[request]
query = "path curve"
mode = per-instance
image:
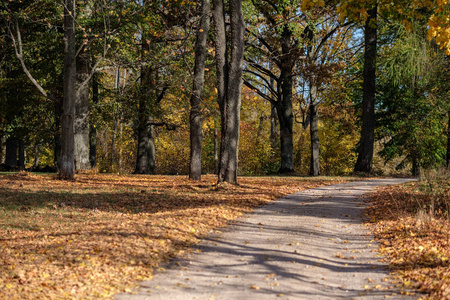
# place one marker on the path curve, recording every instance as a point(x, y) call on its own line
point(308, 245)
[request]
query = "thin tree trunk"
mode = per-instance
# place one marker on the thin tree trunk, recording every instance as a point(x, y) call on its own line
point(119, 159)
point(366, 143)
point(113, 144)
point(93, 128)
point(230, 108)
point(81, 122)
point(11, 153)
point(37, 154)
point(67, 168)
point(314, 169)
point(216, 151)
point(273, 126)
point(2, 149)
point(22, 155)
point(151, 148)
point(115, 128)
point(273, 116)
point(57, 144)
point(195, 167)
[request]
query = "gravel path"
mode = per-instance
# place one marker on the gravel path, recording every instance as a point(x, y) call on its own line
point(308, 245)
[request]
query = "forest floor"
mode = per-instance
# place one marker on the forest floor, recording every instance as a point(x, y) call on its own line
point(412, 225)
point(103, 234)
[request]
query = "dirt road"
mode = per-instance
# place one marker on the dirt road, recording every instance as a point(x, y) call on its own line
point(308, 245)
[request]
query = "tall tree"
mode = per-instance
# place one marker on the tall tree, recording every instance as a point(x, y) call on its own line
point(273, 43)
point(413, 85)
point(67, 168)
point(195, 168)
point(229, 83)
point(366, 143)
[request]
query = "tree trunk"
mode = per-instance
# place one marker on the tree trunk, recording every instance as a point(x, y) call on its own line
point(93, 128)
point(112, 161)
point(314, 169)
point(273, 116)
point(146, 154)
point(22, 156)
point(366, 143)
point(231, 105)
point(195, 167)
point(284, 108)
point(216, 151)
point(57, 133)
point(67, 168)
point(2, 149)
point(37, 154)
point(273, 126)
point(285, 119)
point(145, 160)
point(11, 153)
point(81, 122)
point(221, 52)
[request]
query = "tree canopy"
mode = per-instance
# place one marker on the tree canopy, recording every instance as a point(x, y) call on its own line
point(121, 85)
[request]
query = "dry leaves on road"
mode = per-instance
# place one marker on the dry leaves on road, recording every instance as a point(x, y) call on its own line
point(101, 234)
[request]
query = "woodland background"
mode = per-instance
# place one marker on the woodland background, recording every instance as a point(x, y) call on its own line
point(135, 66)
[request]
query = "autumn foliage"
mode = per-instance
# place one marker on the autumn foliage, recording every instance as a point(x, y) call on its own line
point(101, 234)
point(411, 223)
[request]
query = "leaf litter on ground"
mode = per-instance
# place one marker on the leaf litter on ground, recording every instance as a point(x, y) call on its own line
point(102, 234)
point(412, 226)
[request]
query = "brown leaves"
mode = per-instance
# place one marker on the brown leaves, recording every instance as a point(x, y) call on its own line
point(101, 234)
point(416, 240)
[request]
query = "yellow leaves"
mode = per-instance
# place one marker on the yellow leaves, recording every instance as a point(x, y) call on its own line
point(311, 4)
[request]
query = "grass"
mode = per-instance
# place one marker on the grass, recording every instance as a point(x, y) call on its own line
point(102, 234)
point(412, 224)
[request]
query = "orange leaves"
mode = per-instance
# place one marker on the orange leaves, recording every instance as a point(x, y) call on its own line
point(101, 234)
point(416, 242)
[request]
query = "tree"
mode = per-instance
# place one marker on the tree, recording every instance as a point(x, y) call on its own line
point(195, 169)
point(158, 43)
point(365, 156)
point(229, 83)
point(413, 101)
point(273, 43)
point(67, 168)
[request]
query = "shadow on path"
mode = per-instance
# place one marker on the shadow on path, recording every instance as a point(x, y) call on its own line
point(308, 245)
